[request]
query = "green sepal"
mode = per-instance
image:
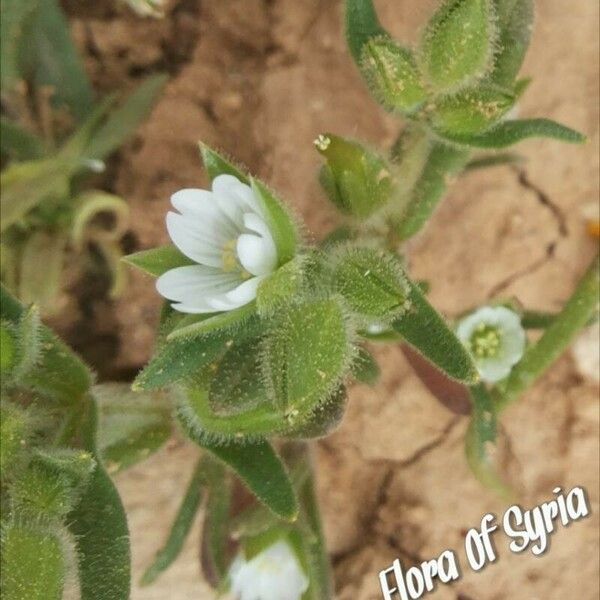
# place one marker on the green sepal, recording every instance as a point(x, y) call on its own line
point(34, 565)
point(278, 220)
point(457, 45)
point(480, 441)
point(8, 350)
point(357, 180)
point(131, 426)
point(515, 24)
point(428, 333)
point(444, 162)
point(362, 25)
point(157, 261)
point(371, 281)
point(365, 368)
point(471, 111)
point(281, 287)
point(508, 133)
point(180, 527)
point(193, 326)
point(259, 467)
point(237, 384)
point(15, 432)
point(306, 354)
point(392, 75)
point(215, 164)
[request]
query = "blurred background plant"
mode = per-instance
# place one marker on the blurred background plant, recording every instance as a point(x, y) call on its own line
point(55, 137)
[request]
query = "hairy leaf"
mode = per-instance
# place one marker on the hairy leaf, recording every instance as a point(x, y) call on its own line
point(362, 25)
point(158, 260)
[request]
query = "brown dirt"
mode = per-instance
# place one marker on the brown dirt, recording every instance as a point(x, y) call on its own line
point(260, 79)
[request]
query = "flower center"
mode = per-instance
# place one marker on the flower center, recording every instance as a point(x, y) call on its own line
point(485, 341)
point(230, 261)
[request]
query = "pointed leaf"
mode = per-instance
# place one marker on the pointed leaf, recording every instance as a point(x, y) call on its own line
point(123, 120)
point(510, 132)
point(428, 333)
point(259, 467)
point(215, 164)
point(365, 368)
point(158, 260)
point(181, 525)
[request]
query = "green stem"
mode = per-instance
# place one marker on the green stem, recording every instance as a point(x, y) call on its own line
point(574, 316)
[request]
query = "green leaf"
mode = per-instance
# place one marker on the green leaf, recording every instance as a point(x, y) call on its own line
point(305, 355)
point(492, 160)
point(215, 164)
point(16, 142)
point(33, 563)
point(29, 338)
point(259, 467)
point(16, 431)
point(237, 383)
point(515, 24)
point(444, 161)
point(8, 350)
point(60, 374)
point(181, 526)
point(15, 14)
point(428, 333)
point(392, 76)
point(281, 287)
point(24, 185)
point(457, 45)
point(278, 220)
point(51, 59)
point(131, 425)
point(158, 260)
point(365, 368)
point(480, 442)
point(371, 281)
point(41, 269)
point(362, 25)
point(181, 359)
point(508, 133)
point(99, 525)
point(357, 180)
point(203, 325)
point(471, 111)
point(123, 121)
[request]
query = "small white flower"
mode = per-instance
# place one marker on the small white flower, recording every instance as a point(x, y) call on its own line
point(225, 233)
point(273, 574)
point(495, 338)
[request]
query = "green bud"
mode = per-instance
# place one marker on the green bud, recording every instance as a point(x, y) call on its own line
point(357, 180)
point(372, 282)
point(33, 563)
point(305, 355)
point(392, 75)
point(471, 111)
point(457, 46)
point(281, 286)
point(14, 432)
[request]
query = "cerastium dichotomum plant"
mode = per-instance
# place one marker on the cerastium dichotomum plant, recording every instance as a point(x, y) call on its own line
point(63, 529)
point(54, 136)
point(263, 330)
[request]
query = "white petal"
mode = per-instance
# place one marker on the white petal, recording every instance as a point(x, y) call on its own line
point(256, 254)
point(192, 286)
point(255, 223)
point(493, 370)
point(192, 242)
point(244, 293)
point(240, 193)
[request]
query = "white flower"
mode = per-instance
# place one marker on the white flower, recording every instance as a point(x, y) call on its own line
point(225, 233)
point(495, 338)
point(273, 574)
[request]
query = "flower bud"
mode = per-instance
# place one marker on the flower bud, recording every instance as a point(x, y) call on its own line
point(392, 75)
point(358, 181)
point(457, 46)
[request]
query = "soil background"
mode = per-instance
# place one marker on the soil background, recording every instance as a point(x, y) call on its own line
point(260, 79)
